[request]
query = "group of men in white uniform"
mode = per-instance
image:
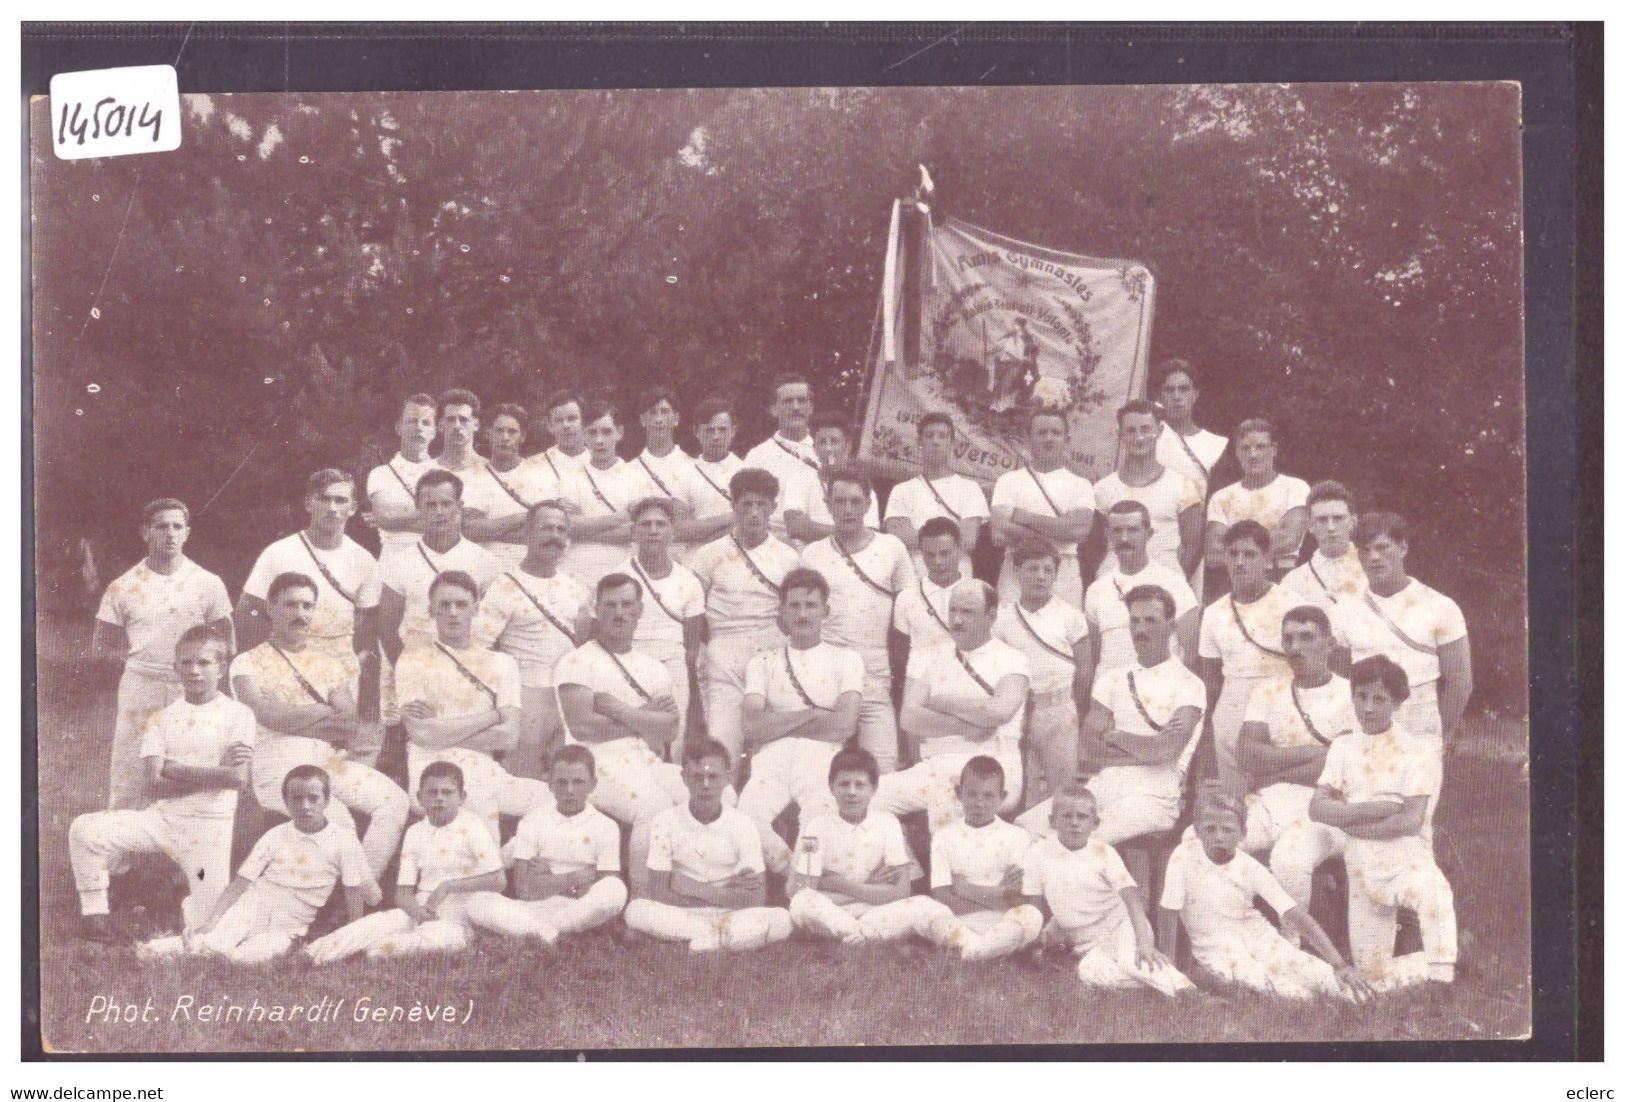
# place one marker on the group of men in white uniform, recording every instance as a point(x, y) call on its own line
point(533, 625)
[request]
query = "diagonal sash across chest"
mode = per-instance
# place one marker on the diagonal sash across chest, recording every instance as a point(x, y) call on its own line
point(1399, 632)
point(507, 489)
point(932, 609)
point(648, 584)
point(543, 609)
point(795, 683)
point(326, 573)
point(399, 477)
point(658, 481)
point(586, 472)
point(1179, 436)
point(1039, 482)
point(964, 660)
point(699, 470)
point(637, 687)
point(1330, 596)
point(304, 682)
point(940, 499)
point(1139, 704)
point(1241, 626)
point(772, 586)
point(469, 675)
point(1065, 656)
point(788, 450)
point(859, 571)
point(1303, 714)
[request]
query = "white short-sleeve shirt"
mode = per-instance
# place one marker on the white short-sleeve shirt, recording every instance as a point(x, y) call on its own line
point(155, 610)
point(1153, 696)
point(858, 850)
point(593, 667)
point(705, 484)
point(667, 475)
point(921, 613)
point(1394, 765)
point(352, 568)
point(431, 855)
point(668, 603)
point(741, 584)
point(394, 486)
point(826, 673)
point(505, 495)
point(429, 674)
point(569, 843)
point(511, 620)
point(942, 671)
point(706, 852)
point(789, 461)
point(983, 855)
point(1043, 637)
point(1216, 901)
point(307, 866)
point(1048, 493)
point(1328, 584)
point(1193, 456)
point(602, 492)
point(860, 605)
point(1282, 706)
point(1267, 504)
point(197, 735)
point(1083, 887)
point(1165, 499)
point(806, 493)
point(1103, 607)
point(557, 464)
point(1423, 613)
point(277, 674)
point(1255, 652)
point(953, 496)
point(410, 571)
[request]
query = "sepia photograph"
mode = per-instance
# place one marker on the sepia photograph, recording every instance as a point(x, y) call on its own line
point(735, 568)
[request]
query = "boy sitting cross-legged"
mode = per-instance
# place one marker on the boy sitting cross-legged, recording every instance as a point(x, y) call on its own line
point(851, 876)
point(976, 872)
point(566, 861)
point(705, 875)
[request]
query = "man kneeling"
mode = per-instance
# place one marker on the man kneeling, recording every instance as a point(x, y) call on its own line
point(566, 862)
point(705, 874)
point(446, 860)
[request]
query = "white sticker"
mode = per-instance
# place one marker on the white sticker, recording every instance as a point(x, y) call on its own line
point(115, 112)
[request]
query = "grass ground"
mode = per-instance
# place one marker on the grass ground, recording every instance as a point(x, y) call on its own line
point(593, 993)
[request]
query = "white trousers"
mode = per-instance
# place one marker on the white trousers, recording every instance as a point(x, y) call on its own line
point(260, 926)
point(634, 785)
point(708, 929)
point(492, 790)
point(877, 722)
point(548, 918)
point(986, 935)
point(200, 846)
point(541, 732)
point(929, 787)
point(1419, 715)
point(1112, 962)
point(1228, 712)
point(393, 933)
point(1052, 744)
point(1256, 957)
point(784, 772)
point(1135, 800)
point(855, 922)
point(726, 656)
point(139, 696)
point(1400, 874)
point(355, 788)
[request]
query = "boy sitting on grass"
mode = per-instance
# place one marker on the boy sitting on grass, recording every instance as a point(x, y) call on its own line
point(852, 872)
point(976, 872)
point(566, 861)
point(446, 860)
point(1210, 886)
point(1096, 909)
point(705, 874)
point(284, 881)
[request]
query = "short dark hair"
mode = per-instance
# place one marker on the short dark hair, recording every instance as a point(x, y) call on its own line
point(653, 396)
point(438, 476)
point(804, 577)
point(1046, 411)
point(1380, 669)
point(696, 750)
point(553, 503)
point(326, 477)
point(617, 580)
point(457, 396)
point(1027, 550)
point(418, 399)
point(457, 579)
point(1151, 593)
point(574, 753)
point(940, 526)
point(1309, 614)
point(1136, 405)
point(709, 408)
point(1329, 490)
point(789, 378)
point(1256, 424)
point(201, 634)
point(829, 419)
point(1372, 525)
point(854, 759)
point(1174, 367)
point(597, 410)
point(935, 417)
point(1251, 531)
point(286, 581)
point(561, 398)
point(164, 505)
point(854, 477)
point(307, 773)
point(753, 480)
point(644, 504)
point(442, 769)
point(515, 410)
point(982, 767)
point(1128, 505)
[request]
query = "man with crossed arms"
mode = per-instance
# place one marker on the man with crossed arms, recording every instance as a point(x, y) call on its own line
point(537, 614)
point(304, 701)
point(958, 702)
point(936, 492)
point(1128, 532)
point(1044, 500)
point(705, 481)
point(673, 625)
point(865, 571)
point(461, 704)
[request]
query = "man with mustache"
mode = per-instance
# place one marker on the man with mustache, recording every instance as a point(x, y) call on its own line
point(141, 618)
point(458, 417)
point(304, 700)
point(537, 614)
point(1128, 533)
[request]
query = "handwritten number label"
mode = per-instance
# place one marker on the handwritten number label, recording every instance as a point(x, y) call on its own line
point(115, 112)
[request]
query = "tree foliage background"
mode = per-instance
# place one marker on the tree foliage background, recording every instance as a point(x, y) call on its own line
point(217, 322)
